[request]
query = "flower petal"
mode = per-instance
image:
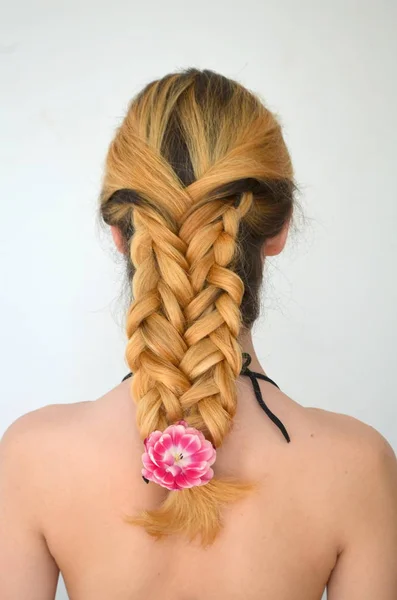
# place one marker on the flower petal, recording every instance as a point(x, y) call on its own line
point(182, 482)
point(197, 432)
point(206, 453)
point(193, 481)
point(200, 466)
point(162, 455)
point(177, 432)
point(152, 438)
point(147, 462)
point(190, 444)
point(156, 458)
point(166, 441)
point(164, 477)
point(148, 474)
point(196, 473)
point(207, 477)
point(174, 470)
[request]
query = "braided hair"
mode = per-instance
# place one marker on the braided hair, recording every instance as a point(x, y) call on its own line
point(197, 177)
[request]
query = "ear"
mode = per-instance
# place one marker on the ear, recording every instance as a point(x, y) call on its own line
point(275, 244)
point(118, 239)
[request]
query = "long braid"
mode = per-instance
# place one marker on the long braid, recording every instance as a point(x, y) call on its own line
point(210, 361)
point(197, 161)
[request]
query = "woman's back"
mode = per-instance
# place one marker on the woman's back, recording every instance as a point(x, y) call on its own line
point(280, 543)
point(198, 191)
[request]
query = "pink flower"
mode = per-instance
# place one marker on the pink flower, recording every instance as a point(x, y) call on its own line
point(178, 457)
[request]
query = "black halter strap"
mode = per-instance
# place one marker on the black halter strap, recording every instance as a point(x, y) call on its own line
point(258, 394)
point(257, 391)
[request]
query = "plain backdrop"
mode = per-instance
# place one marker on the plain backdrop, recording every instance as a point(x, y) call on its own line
point(328, 69)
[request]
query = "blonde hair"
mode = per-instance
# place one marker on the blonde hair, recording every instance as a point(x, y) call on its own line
point(197, 177)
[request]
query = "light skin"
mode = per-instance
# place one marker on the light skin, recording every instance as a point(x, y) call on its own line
point(326, 510)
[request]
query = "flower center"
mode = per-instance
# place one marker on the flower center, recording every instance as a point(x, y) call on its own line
point(178, 456)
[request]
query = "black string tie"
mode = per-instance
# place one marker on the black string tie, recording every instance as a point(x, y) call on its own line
point(258, 394)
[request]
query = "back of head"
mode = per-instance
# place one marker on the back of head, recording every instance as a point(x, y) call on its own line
point(197, 178)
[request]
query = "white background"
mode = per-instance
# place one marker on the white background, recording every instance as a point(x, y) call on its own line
point(68, 70)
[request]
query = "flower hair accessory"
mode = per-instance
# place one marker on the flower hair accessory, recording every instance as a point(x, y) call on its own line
point(177, 458)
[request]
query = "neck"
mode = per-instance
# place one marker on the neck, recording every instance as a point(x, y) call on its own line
point(246, 343)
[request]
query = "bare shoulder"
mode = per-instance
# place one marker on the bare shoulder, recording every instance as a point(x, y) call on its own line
point(351, 471)
point(331, 434)
point(33, 429)
point(35, 445)
point(353, 437)
point(27, 451)
point(360, 464)
point(59, 430)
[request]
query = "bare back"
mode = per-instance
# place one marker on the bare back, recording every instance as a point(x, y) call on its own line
point(282, 542)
